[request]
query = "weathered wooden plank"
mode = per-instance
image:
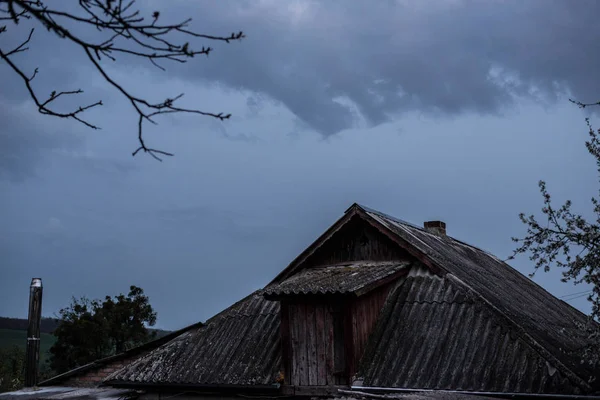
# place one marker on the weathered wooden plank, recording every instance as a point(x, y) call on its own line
point(293, 317)
point(321, 345)
point(365, 312)
point(348, 334)
point(311, 345)
point(302, 359)
point(285, 343)
point(354, 320)
point(339, 353)
point(329, 358)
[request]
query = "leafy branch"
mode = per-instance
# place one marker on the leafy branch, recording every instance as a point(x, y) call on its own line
point(567, 240)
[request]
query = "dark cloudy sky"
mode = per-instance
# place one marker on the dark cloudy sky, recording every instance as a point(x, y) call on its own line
point(447, 110)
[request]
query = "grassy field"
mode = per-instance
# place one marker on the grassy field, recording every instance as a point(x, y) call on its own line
point(12, 337)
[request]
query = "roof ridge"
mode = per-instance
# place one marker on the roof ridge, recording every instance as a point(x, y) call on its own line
point(401, 221)
point(420, 228)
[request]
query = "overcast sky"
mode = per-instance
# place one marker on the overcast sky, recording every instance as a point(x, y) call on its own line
point(448, 110)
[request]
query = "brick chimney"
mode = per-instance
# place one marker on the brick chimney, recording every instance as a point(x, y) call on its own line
point(435, 227)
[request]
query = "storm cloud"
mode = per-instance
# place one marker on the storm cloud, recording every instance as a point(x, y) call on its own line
point(333, 63)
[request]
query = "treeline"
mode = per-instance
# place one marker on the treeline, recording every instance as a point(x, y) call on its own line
point(48, 325)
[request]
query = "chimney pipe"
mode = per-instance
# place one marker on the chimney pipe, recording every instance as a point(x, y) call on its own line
point(32, 357)
point(435, 227)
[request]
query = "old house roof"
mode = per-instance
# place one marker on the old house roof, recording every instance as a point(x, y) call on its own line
point(454, 341)
point(239, 346)
point(130, 353)
point(354, 277)
point(548, 324)
point(461, 319)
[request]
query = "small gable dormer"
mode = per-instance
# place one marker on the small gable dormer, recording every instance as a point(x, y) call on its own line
point(328, 314)
point(331, 297)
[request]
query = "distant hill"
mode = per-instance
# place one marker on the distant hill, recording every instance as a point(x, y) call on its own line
point(18, 337)
point(13, 332)
point(48, 325)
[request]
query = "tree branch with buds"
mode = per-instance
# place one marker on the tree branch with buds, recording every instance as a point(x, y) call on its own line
point(126, 32)
point(570, 242)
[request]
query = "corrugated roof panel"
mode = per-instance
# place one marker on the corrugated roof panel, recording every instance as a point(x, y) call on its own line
point(347, 278)
point(240, 346)
point(549, 322)
point(434, 334)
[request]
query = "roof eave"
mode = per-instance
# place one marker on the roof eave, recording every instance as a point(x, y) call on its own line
point(128, 353)
point(502, 395)
point(208, 387)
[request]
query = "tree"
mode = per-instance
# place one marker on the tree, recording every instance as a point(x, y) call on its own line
point(91, 329)
point(571, 242)
point(121, 31)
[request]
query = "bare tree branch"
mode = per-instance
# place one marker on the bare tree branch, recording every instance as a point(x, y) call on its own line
point(584, 105)
point(43, 105)
point(128, 33)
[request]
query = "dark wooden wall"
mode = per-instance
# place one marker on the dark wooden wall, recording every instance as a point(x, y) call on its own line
point(365, 312)
point(324, 337)
point(358, 241)
point(312, 355)
point(324, 340)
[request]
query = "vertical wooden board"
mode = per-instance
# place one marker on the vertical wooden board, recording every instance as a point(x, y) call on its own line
point(348, 344)
point(293, 318)
point(302, 359)
point(370, 315)
point(321, 345)
point(358, 333)
point(339, 345)
point(365, 318)
point(358, 316)
point(311, 344)
point(355, 307)
point(285, 342)
point(329, 362)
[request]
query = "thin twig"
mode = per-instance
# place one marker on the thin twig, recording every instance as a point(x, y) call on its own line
point(123, 24)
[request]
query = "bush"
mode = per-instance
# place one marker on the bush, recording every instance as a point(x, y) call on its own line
point(12, 368)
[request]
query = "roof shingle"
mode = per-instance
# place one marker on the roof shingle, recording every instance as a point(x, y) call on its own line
point(549, 324)
point(434, 333)
point(337, 279)
point(239, 346)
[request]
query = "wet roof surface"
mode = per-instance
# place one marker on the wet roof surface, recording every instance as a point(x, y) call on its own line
point(549, 323)
point(341, 279)
point(435, 333)
point(239, 346)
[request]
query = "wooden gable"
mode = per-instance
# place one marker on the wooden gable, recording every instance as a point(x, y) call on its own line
point(356, 241)
point(354, 237)
point(324, 336)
